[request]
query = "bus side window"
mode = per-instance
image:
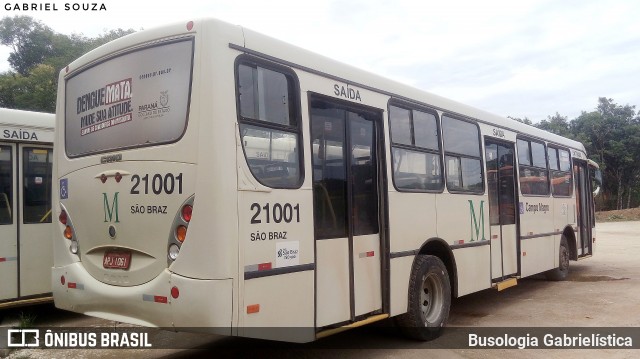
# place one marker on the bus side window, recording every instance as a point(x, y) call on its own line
point(534, 175)
point(462, 155)
point(269, 125)
point(37, 185)
point(416, 153)
point(561, 175)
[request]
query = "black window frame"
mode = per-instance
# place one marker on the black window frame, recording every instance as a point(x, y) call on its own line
point(9, 200)
point(413, 147)
point(559, 170)
point(530, 166)
point(295, 112)
point(460, 156)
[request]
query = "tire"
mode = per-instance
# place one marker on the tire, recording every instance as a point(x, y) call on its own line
point(562, 272)
point(429, 299)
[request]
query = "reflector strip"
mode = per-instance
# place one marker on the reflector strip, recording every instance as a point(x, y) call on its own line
point(154, 298)
point(367, 254)
point(160, 299)
point(461, 241)
point(72, 285)
point(8, 259)
point(253, 308)
point(264, 266)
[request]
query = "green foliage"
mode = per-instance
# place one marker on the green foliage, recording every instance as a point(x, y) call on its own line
point(29, 39)
point(525, 120)
point(27, 320)
point(611, 135)
point(38, 54)
point(35, 92)
point(556, 124)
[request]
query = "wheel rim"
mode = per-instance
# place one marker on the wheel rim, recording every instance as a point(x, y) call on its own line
point(431, 298)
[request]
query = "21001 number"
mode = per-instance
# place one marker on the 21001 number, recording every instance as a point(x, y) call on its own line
point(276, 213)
point(157, 183)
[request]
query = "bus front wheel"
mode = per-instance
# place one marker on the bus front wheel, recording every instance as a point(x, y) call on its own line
point(429, 299)
point(562, 271)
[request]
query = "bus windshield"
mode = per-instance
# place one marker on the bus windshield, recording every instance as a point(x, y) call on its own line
point(138, 98)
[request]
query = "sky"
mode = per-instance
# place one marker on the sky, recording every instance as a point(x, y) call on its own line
point(525, 58)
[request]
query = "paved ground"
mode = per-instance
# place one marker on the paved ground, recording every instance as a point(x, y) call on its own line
point(602, 291)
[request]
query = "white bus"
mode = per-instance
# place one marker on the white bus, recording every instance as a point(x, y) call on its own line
point(212, 177)
point(26, 154)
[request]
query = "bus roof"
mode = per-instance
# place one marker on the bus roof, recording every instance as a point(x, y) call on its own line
point(19, 118)
point(307, 60)
point(253, 42)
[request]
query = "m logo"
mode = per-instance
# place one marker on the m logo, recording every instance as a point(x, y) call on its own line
point(475, 224)
point(111, 209)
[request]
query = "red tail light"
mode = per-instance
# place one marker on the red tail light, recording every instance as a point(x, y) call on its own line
point(63, 217)
point(186, 212)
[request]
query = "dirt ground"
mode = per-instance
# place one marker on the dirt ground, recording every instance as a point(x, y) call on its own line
point(601, 292)
point(631, 214)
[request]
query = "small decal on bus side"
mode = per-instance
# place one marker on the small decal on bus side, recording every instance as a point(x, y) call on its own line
point(64, 188)
point(287, 254)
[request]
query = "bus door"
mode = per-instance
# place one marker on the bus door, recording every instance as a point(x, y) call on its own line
point(345, 142)
point(36, 248)
point(583, 207)
point(8, 222)
point(501, 181)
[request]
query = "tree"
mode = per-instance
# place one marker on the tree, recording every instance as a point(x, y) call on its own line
point(612, 133)
point(34, 92)
point(525, 120)
point(30, 40)
point(556, 124)
point(38, 54)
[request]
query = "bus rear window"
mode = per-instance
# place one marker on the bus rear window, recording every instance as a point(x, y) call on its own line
point(139, 98)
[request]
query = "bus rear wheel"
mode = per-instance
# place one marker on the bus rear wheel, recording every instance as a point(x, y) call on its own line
point(562, 272)
point(429, 299)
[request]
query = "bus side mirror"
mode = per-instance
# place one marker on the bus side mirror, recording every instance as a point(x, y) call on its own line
point(596, 177)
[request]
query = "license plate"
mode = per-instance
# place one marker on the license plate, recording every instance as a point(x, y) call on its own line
point(117, 260)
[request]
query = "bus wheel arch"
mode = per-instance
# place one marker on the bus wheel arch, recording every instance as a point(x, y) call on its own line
point(570, 237)
point(430, 292)
point(439, 248)
point(561, 273)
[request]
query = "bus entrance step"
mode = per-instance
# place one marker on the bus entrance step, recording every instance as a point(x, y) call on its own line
point(509, 282)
